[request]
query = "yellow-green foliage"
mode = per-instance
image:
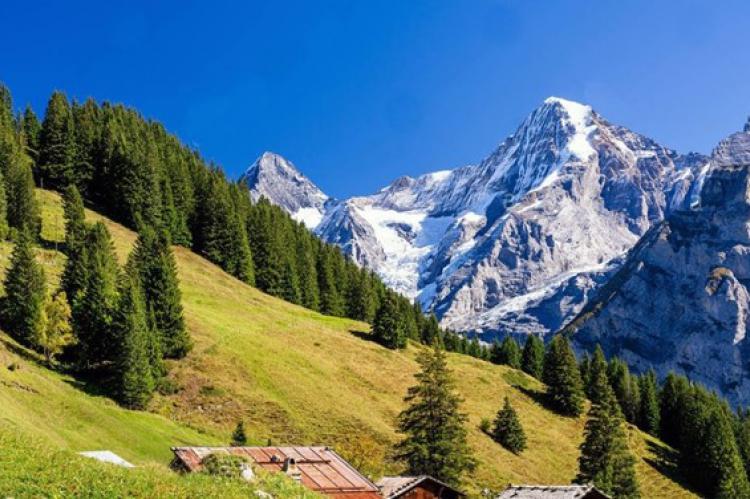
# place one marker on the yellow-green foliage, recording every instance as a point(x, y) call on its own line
point(297, 377)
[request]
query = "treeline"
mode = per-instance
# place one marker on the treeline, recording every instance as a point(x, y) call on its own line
point(119, 322)
point(133, 170)
point(712, 440)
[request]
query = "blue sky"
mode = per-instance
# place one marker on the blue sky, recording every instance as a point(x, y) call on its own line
point(358, 93)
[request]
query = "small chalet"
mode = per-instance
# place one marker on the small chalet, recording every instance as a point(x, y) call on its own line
point(416, 487)
point(552, 492)
point(318, 468)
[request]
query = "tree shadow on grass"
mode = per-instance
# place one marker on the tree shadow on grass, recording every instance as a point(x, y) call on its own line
point(362, 335)
point(667, 462)
point(538, 396)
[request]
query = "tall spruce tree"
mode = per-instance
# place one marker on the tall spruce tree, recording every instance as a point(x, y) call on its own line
point(24, 213)
point(430, 330)
point(57, 143)
point(4, 228)
point(625, 390)
point(433, 425)
point(74, 273)
point(725, 471)
point(387, 328)
point(648, 417)
point(330, 298)
point(135, 382)
point(507, 429)
point(31, 131)
point(510, 353)
point(152, 259)
point(596, 376)
point(605, 459)
point(93, 312)
point(532, 358)
point(25, 290)
point(564, 386)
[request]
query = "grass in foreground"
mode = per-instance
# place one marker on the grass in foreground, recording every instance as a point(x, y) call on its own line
point(29, 468)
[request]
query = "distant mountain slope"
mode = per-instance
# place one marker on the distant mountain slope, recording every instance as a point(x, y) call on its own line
point(294, 376)
point(517, 242)
point(681, 300)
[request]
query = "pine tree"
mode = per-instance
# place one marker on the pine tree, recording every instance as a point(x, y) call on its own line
point(94, 309)
point(725, 470)
point(135, 382)
point(330, 299)
point(74, 274)
point(31, 131)
point(532, 359)
point(25, 288)
point(674, 390)
point(57, 143)
point(239, 438)
point(4, 228)
point(648, 418)
point(23, 209)
point(564, 386)
point(360, 299)
point(56, 332)
point(430, 330)
point(605, 459)
point(433, 425)
point(507, 429)
point(597, 375)
point(387, 328)
point(309, 276)
point(625, 391)
point(152, 259)
point(509, 353)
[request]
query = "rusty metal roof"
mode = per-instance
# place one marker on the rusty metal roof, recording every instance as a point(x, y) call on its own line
point(395, 486)
point(321, 469)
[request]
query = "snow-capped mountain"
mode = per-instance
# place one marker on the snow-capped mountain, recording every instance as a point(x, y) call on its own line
point(516, 242)
point(280, 182)
point(681, 300)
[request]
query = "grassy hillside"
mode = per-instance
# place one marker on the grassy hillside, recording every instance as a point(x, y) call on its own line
point(295, 377)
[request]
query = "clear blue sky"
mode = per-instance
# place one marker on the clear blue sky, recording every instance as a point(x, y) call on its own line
point(357, 93)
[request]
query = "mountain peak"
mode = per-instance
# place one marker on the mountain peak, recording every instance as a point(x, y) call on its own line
point(276, 178)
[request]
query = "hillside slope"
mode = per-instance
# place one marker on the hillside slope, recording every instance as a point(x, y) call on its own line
point(294, 376)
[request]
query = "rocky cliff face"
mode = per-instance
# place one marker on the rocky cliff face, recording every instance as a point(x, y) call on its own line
point(517, 242)
point(276, 179)
point(680, 301)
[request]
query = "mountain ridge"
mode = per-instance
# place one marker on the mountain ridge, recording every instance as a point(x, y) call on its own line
point(515, 243)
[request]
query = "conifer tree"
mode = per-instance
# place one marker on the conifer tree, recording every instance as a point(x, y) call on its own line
point(56, 332)
point(31, 131)
point(605, 459)
point(93, 311)
point(509, 353)
point(330, 299)
point(532, 358)
point(25, 288)
point(57, 143)
point(23, 209)
point(74, 274)
point(239, 438)
point(135, 382)
point(725, 470)
point(597, 375)
point(4, 228)
point(387, 328)
point(674, 390)
point(433, 425)
point(430, 330)
point(153, 260)
point(564, 386)
point(360, 300)
point(648, 417)
point(625, 390)
point(308, 276)
point(507, 429)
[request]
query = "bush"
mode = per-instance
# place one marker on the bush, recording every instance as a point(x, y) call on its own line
point(485, 425)
point(224, 465)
